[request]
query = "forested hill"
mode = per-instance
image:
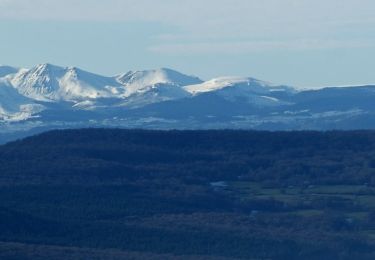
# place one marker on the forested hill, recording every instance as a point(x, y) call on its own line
point(112, 155)
point(137, 194)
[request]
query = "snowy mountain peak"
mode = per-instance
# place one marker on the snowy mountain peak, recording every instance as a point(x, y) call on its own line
point(80, 84)
point(40, 82)
point(79, 74)
point(47, 66)
point(153, 86)
point(158, 76)
point(47, 82)
point(70, 96)
point(74, 71)
point(47, 69)
point(245, 83)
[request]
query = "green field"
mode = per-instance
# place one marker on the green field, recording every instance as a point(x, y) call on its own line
point(354, 202)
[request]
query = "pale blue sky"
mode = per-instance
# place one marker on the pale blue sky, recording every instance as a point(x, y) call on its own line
point(305, 43)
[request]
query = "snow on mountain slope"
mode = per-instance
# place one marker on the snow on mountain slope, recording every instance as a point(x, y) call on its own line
point(247, 84)
point(155, 94)
point(7, 70)
point(14, 106)
point(87, 91)
point(40, 83)
point(82, 84)
point(234, 89)
point(48, 82)
point(142, 81)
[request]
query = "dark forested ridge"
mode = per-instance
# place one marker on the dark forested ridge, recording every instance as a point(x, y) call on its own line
point(137, 194)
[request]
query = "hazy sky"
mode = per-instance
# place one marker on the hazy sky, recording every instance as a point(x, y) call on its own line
point(297, 42)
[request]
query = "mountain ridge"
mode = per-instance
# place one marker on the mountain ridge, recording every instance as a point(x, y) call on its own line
point(49, 96)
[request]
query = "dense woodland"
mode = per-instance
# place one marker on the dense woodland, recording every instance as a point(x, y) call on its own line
point(137, 194)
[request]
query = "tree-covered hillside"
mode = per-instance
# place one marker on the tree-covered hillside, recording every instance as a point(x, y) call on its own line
point(136, 194)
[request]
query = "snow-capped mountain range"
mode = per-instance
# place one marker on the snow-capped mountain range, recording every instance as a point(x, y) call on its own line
point(49, 96)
